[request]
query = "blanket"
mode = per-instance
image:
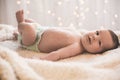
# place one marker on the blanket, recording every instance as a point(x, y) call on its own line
point(16, 64)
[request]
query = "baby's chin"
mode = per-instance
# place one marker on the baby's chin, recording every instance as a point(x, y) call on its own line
point(95, 52)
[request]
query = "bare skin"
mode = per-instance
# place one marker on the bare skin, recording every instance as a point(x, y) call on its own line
point(59, 43)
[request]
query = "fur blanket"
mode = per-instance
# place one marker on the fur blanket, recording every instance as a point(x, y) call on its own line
point(15, 67)
point(16, 64)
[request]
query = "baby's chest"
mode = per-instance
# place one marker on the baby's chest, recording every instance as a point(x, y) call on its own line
point(58, 36)
point(53, 40)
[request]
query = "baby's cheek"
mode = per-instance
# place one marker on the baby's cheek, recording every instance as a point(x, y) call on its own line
point(95, 47)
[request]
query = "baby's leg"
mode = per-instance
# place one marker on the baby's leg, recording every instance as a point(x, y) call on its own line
point(26, 30)
point(28, 33)
point(20, 16)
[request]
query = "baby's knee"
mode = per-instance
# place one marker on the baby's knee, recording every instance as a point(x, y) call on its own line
point(23, 26)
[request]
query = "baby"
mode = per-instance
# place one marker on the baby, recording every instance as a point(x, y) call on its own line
point(60, 43)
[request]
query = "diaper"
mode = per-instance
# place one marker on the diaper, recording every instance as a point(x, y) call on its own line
point(34, 47)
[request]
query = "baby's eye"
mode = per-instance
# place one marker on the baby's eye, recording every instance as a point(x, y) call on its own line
point(97, 32)
point(99, 43)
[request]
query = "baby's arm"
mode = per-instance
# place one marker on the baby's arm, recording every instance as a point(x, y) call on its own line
point(71, 50)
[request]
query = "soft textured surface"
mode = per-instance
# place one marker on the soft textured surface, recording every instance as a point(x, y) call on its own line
point(16, 64)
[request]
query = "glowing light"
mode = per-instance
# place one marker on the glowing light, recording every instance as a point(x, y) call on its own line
point(59, 3)
point(105, 11)
point(76, 7)
point(59, 18)
point(82, 2)
point(28, 12)
point(18, 2)
point(113, 23)
point(106, 1)
point(116, 16)
point(49, 11)
point(75, 13)
point(96, 13)
point(28, 2)
point(60, 23)
point(71, 24)
point(101, 27)
point(79, 24)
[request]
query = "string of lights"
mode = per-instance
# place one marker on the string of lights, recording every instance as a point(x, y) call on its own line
point(80, 11)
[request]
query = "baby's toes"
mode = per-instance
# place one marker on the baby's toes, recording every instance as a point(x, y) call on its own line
point(19, 13)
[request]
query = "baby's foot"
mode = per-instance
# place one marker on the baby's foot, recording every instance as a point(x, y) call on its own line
point(20, 16)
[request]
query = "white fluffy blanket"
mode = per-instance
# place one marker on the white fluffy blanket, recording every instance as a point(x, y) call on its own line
point(15, 65)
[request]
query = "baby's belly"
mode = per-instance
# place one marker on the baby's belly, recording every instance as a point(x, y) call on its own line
point(52, 40)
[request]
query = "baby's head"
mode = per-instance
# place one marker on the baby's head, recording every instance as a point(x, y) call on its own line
point(99, 41)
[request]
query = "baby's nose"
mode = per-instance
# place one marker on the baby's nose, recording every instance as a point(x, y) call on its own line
point(94, 37)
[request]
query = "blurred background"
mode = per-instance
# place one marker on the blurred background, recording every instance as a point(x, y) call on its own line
point(81, 14)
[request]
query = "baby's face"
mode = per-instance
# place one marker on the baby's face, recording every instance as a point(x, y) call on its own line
point(97, 41)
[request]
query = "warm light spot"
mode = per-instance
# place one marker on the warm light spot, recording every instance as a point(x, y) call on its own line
point(101, 27)
point(116, 16)
point(71, 24)
point(76, 7)
point(59, 2)
point(59, 18)
point(106, 1)
point(79, 24)
point(28, 2)
point(18, 2)
point(75, 13)
point(49, 12)
point(96, 13)
point(28, 12)
point(113, 23)
point(60, 23)
point(82, 2)
point(105, 11)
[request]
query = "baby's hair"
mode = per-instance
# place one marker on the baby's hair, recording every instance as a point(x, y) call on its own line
point(114, 39)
